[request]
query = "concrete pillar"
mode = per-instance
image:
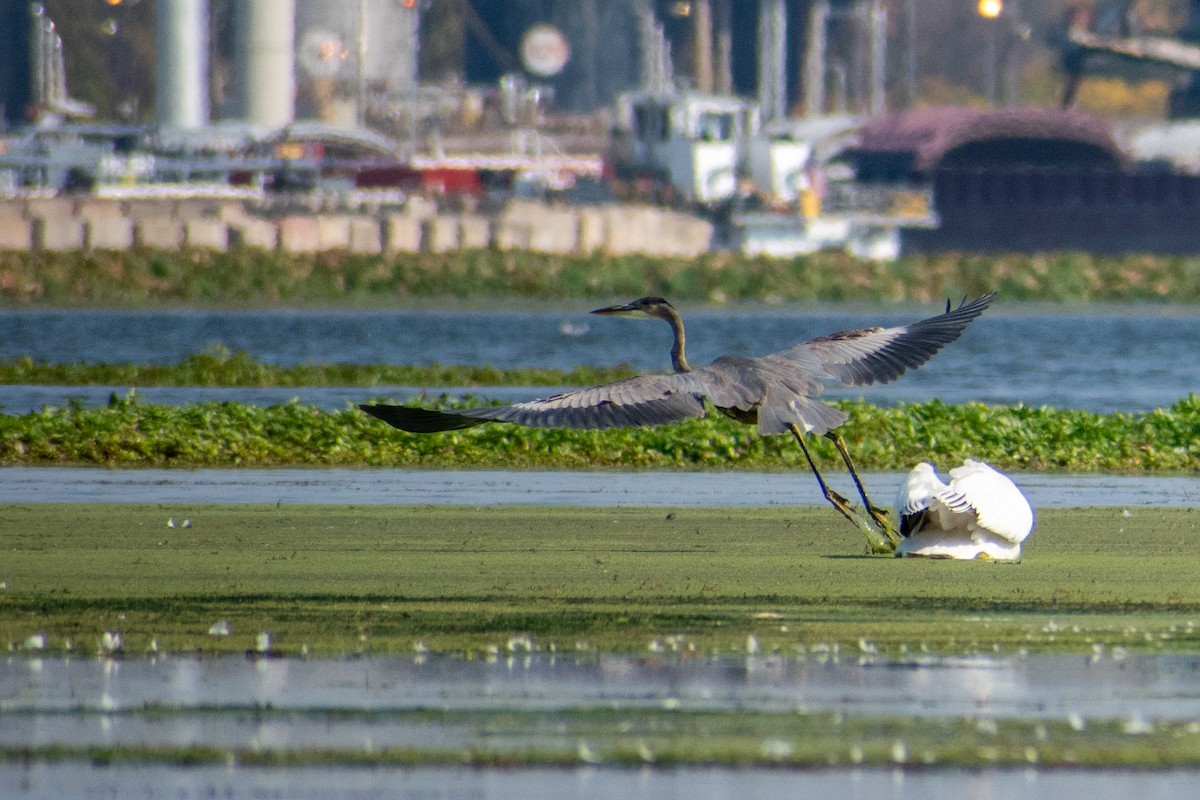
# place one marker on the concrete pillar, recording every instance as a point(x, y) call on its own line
point(299, 235)
point(440, 234)
point(206, 234)
point(474, 232)
point(16, 233)
point(365, 236)
point(402, 233)
point(108, 233)
point(158, 233)
point(49, 207)
point(57, 233)
point(260, 234)
point(333, 232)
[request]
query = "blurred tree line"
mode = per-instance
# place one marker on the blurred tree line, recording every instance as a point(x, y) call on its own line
point(951, 56)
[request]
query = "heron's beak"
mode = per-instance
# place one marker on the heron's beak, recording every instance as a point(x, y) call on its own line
point(625, 310)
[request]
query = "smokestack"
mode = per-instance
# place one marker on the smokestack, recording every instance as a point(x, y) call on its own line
point(702, 45)
point(814, 59)
point(723, 43)
point(772, 59)
point(181, 77)
point(265, 56)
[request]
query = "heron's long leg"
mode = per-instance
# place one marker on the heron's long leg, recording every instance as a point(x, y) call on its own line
point(875, 512)
point(835, 499)
point(879, 543)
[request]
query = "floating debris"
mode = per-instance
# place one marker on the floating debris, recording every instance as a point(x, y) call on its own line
point(586, 754)
point(111, 642)
point(573, 328)
point(1137, 725)
point(777, 749)
point(522, 642)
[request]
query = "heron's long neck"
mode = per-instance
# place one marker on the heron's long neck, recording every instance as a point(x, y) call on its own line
point(678, 359)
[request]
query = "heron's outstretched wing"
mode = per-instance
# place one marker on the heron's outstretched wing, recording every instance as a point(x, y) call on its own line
point(641, 401)
point(878, 355)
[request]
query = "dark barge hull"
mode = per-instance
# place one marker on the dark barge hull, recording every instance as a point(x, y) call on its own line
point(1034, 210)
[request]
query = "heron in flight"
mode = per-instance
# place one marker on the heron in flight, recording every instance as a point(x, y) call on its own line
point(776, 392)
point(979, 514)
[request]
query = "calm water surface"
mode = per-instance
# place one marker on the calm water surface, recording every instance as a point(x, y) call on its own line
point(504, 487)
point(148, 782)
point(182, 702)
point(1113, 358)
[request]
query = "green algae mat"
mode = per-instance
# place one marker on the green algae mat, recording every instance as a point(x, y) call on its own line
point(337, 580)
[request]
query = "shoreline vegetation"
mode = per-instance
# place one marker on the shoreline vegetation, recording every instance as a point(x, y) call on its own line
point(254, 277)
point(128, 432)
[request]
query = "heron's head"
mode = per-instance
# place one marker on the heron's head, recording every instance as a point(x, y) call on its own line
point(643, 307)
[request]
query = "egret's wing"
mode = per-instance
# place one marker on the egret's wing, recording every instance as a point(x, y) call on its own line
point(640, 401)
point(999, 506)
point(919, 488)
point(917, 493)
point(878, 355)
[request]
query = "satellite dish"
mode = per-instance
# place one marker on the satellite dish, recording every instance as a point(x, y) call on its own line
point(321, 53)
point(544, 50)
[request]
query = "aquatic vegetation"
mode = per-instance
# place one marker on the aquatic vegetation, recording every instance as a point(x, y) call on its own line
point(129, 432)
point(666, 738)
point(500, 582)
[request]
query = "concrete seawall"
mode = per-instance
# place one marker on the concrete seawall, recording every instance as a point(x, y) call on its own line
point(87, 223)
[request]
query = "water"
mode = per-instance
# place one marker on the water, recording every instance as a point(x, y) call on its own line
point(150, 782)
point(43, 698)
point(508, 487)
point(352, 705)
point(1118, 358)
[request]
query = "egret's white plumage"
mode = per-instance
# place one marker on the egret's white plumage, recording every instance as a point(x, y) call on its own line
point(979, 514)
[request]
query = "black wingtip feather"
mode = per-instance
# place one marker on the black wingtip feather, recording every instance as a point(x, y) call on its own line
point(419, 420)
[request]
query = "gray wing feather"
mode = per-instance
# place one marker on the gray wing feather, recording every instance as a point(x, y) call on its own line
point(879, 355)
point(642, 401)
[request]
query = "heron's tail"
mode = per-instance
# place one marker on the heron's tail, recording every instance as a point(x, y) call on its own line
point(420, 420)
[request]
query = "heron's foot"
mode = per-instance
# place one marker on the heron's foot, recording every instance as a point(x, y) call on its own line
point(881, 537)
point(880, 516)
point(878, 540)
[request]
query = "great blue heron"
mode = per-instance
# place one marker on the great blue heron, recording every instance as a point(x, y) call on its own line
point(775, 391)
point(980, 514)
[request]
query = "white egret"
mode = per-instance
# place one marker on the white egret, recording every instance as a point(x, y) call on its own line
point(979, 514)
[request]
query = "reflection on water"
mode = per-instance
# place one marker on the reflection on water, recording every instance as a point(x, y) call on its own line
point(37, 694)
point(371, 704)
point(149, 782)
